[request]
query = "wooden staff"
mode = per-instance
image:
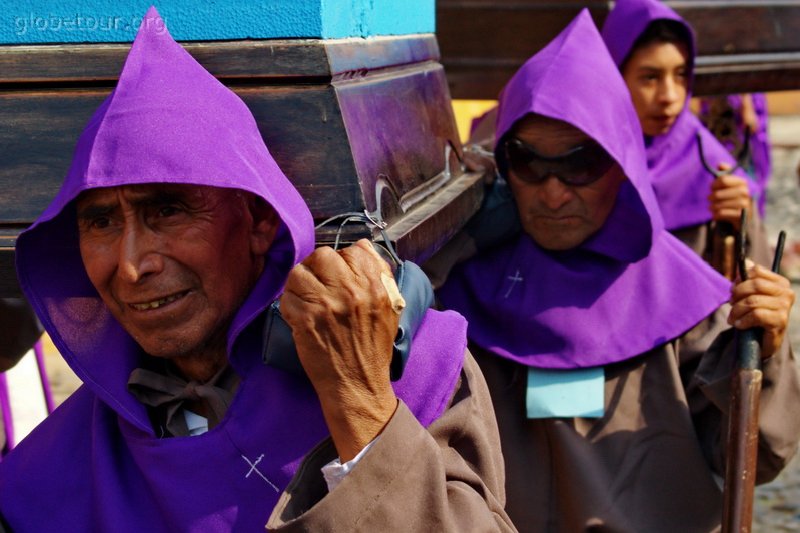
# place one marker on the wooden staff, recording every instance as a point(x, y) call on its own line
point(742, 450)
point(723, 250)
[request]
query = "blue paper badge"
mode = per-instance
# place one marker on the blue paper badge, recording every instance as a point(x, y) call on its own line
point(565, 393)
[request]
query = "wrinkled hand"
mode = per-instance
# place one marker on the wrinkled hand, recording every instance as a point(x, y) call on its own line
point(343, 326)
point(729, 195)
point(764, 301)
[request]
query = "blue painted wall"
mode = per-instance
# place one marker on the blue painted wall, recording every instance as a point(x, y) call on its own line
point(74, 21)
point(364, 18)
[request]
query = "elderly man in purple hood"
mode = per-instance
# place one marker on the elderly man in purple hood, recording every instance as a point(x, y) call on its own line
point(606, 342)
point(152, 270)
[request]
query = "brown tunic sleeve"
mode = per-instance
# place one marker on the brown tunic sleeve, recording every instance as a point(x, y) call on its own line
point(708, 378)
point(448, 477)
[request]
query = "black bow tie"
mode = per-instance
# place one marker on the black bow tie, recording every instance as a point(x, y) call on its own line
point(169, 394)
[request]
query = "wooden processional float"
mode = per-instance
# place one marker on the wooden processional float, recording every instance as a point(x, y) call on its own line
point(349, 96)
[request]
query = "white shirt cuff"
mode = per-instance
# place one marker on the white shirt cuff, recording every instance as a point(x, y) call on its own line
point(334, 472)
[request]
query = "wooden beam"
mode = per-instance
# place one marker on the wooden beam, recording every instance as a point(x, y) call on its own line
point(242, 60)
point(743, 45)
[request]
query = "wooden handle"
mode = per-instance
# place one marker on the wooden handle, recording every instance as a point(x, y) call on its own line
point(723, 252)
point(740, 468)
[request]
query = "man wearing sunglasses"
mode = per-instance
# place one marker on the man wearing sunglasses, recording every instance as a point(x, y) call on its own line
point(607, 344)
point(562, 212)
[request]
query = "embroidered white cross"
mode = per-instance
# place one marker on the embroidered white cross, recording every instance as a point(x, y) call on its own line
point(254, 468)
point(514, 279)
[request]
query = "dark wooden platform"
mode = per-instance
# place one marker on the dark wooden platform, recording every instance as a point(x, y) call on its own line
point(355, 124)
point(360, 124)
point(743, 45)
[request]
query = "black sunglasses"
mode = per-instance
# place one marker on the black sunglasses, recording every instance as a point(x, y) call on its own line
point(579, 166)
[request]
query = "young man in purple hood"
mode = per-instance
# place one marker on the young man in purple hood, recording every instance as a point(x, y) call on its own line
point(601, 336)
point(654, 49)
point(152, 270)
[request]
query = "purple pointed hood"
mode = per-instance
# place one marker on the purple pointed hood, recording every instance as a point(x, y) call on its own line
point(628, 20)
point(96, 464)
point(680, 181)
point(594, 304)
point(542, 86)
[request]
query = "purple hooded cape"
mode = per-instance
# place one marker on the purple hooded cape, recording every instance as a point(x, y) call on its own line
point(95, 464)
point(681, 183)
point(628, 288)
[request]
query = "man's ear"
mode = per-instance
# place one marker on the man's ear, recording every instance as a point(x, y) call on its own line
point(265, 225)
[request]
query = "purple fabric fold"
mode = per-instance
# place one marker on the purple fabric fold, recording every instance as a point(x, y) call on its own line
point(594, 304)
point(96, 463)
point(681, 182)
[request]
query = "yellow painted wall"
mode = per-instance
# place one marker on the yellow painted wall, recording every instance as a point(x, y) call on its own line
point(780, 104)
point(466, 110)
point(784, 103)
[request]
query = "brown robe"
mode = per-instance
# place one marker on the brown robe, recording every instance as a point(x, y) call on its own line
point(448, 477)
point(652, 462)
